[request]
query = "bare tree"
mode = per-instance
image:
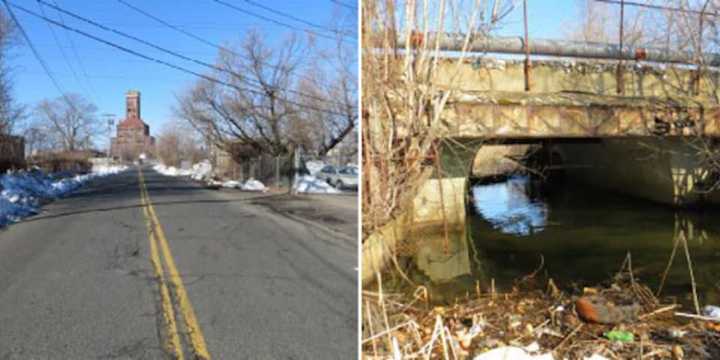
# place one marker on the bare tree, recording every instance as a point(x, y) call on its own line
point(177, 143)
point(599, 22)
point(10, 111)
point(256, 110)
point(402, 104)
point(334, 78)
point(267, 104)
point(70, 122)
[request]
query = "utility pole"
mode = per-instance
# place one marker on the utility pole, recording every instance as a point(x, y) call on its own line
point(110, 122)
point(699, 56)
point(527, 48)
point(619, 73)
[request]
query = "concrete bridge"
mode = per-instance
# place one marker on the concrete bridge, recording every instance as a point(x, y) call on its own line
point(643, 141)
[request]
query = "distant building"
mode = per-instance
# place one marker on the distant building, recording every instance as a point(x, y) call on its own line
point(133, 135)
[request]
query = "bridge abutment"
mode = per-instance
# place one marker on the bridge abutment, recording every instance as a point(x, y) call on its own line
point(443, 198)
point(665, 170)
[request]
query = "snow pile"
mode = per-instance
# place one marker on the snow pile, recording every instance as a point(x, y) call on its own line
point(232, 184)
point(311, 184)
point(314, 166)
point(250, 185)
point(24, 192)
point(199, 171)
point(171, 170)
point(253, 185)
point(104, 170)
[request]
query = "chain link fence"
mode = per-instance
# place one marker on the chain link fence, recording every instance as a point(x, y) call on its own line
point(278, 171)
point(273, 171)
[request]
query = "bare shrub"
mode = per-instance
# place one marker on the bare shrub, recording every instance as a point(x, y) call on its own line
point(401, 103)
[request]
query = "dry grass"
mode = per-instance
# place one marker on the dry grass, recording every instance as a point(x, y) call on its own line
point(398, 326)
point(401, 102)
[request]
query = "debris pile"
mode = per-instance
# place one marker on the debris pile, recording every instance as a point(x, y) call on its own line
point(622, 320)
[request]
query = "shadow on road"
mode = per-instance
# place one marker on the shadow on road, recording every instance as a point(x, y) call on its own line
point(138, 205)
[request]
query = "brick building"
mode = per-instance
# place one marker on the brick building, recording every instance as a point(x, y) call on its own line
point(133, 135)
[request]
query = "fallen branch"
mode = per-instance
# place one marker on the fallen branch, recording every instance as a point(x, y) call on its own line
point(698, 317)
point(658, 311)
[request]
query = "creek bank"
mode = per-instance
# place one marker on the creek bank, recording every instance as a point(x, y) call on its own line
point(544, 323)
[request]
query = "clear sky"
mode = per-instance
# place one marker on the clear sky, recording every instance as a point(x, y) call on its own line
point(547, 19)
point(104, 74)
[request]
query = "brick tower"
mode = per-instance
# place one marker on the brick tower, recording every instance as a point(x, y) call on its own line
point(133, 134)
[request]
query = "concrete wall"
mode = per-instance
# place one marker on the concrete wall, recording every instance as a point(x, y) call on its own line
point(426, 213)
point(440, 200)
point(596, 77)
point(667, 171)
point(497, 160)
point(379, 247)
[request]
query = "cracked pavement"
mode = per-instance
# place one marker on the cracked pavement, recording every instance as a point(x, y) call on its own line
point(76, 281)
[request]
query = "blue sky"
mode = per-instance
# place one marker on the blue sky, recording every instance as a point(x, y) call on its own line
point(104, 74)
point(547, 19)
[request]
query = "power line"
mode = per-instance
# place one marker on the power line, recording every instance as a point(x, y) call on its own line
point(199, 38)
point(176, 28)
point(660, 7)
point(250, 82)
point(76, 54)
point(274, 21)
point(295, 18)
point(165, 63)
point(36, 54)
point(62, 52)
point(351, 7)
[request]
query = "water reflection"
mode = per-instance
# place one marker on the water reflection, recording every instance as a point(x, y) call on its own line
point(582, 234)
point(442, 260)
point(508, 206)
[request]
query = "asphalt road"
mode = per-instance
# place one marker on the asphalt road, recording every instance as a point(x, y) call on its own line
point(99, 275)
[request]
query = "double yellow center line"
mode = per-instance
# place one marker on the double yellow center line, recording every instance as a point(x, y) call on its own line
point(156, 235)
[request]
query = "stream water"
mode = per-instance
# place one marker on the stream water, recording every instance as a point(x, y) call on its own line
point(576, 235)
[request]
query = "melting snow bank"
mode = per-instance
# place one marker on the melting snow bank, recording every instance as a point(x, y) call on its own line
point(199, 171)
point(313, 185)
point(203, 171)
point(24, 192)
point(314, 166)
point(250, 185)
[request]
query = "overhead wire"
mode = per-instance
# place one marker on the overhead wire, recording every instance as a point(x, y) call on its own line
point(36, 54)
point(78, 58)
point(240, 77)
point(295, 18)
point(64, 55)
point(274, 21)
point(163, 62)
point(203, 40)
point(351, 7)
